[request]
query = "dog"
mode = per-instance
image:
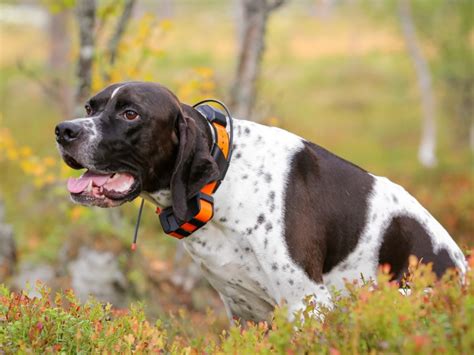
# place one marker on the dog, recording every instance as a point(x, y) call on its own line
point(290, 218)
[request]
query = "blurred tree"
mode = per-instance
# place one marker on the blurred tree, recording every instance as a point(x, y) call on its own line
point(59, 58)
point(86, 18)
point(120, 30)
point(56, 86)
point(445, 26)
point(427, 148)
point(453, 26)
point(91, 20)
point(253, 20)
point(448, 25)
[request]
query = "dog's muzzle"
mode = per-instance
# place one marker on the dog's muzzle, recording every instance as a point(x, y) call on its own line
point(94, 187)
point(67, 132)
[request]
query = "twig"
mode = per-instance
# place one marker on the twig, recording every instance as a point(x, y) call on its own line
point(120, 29)
point(49, 89)
point(86, 16)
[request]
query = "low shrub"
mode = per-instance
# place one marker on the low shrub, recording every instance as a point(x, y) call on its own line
point(436, 316)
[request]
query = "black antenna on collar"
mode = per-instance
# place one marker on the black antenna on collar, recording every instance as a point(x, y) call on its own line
point(231, 124)
point(135, 236)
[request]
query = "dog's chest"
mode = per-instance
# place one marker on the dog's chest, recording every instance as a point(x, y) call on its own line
point(242, 252)
point(231, 266)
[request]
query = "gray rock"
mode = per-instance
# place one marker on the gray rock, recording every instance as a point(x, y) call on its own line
point(7, 247)
point(98, 274)
point(29, 274)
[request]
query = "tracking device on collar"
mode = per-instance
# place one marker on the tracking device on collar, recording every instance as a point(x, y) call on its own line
point(202, 204)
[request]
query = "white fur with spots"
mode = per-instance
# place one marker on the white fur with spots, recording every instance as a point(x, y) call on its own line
point(364, 258)
point(243, 252)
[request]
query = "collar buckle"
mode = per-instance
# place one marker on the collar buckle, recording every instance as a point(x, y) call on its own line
point(201, 212)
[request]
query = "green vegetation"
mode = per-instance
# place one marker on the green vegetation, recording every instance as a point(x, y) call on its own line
point(368, 319)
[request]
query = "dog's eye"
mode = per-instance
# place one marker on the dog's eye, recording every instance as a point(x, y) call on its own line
point(130, 115)
point(88, 110)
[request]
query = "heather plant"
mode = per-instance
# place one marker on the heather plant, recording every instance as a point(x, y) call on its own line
point(64, 325)
point(435, 316)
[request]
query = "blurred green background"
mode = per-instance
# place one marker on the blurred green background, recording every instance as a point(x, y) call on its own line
point(338, 73)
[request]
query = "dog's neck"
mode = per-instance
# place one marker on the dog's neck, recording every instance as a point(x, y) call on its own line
point(162, 198)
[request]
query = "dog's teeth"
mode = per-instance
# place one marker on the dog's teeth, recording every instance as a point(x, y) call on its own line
point(89, 187)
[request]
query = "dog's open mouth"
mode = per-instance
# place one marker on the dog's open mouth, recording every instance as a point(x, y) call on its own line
point(103, 189)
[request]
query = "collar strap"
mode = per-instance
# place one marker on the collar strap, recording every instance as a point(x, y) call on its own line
point(202, 204)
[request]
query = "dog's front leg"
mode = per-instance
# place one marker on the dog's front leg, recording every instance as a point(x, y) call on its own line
point(228, 311)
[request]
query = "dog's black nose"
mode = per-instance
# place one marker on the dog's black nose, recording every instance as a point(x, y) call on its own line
point(66, 132)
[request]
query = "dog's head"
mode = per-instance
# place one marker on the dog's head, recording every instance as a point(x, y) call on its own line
point(136, 137)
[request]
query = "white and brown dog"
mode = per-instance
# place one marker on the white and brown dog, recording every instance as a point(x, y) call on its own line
point(291, 219)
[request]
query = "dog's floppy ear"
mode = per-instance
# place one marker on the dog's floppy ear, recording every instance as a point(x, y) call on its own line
point(194, 166)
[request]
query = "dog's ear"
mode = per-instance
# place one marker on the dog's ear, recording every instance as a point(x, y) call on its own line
point(194, 166)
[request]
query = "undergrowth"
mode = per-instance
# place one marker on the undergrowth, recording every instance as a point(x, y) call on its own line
point(437, 316)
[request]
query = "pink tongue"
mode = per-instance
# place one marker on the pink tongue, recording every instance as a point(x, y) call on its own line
point(80, 184)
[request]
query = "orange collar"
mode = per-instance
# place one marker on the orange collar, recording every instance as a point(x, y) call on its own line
point(203, 203)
